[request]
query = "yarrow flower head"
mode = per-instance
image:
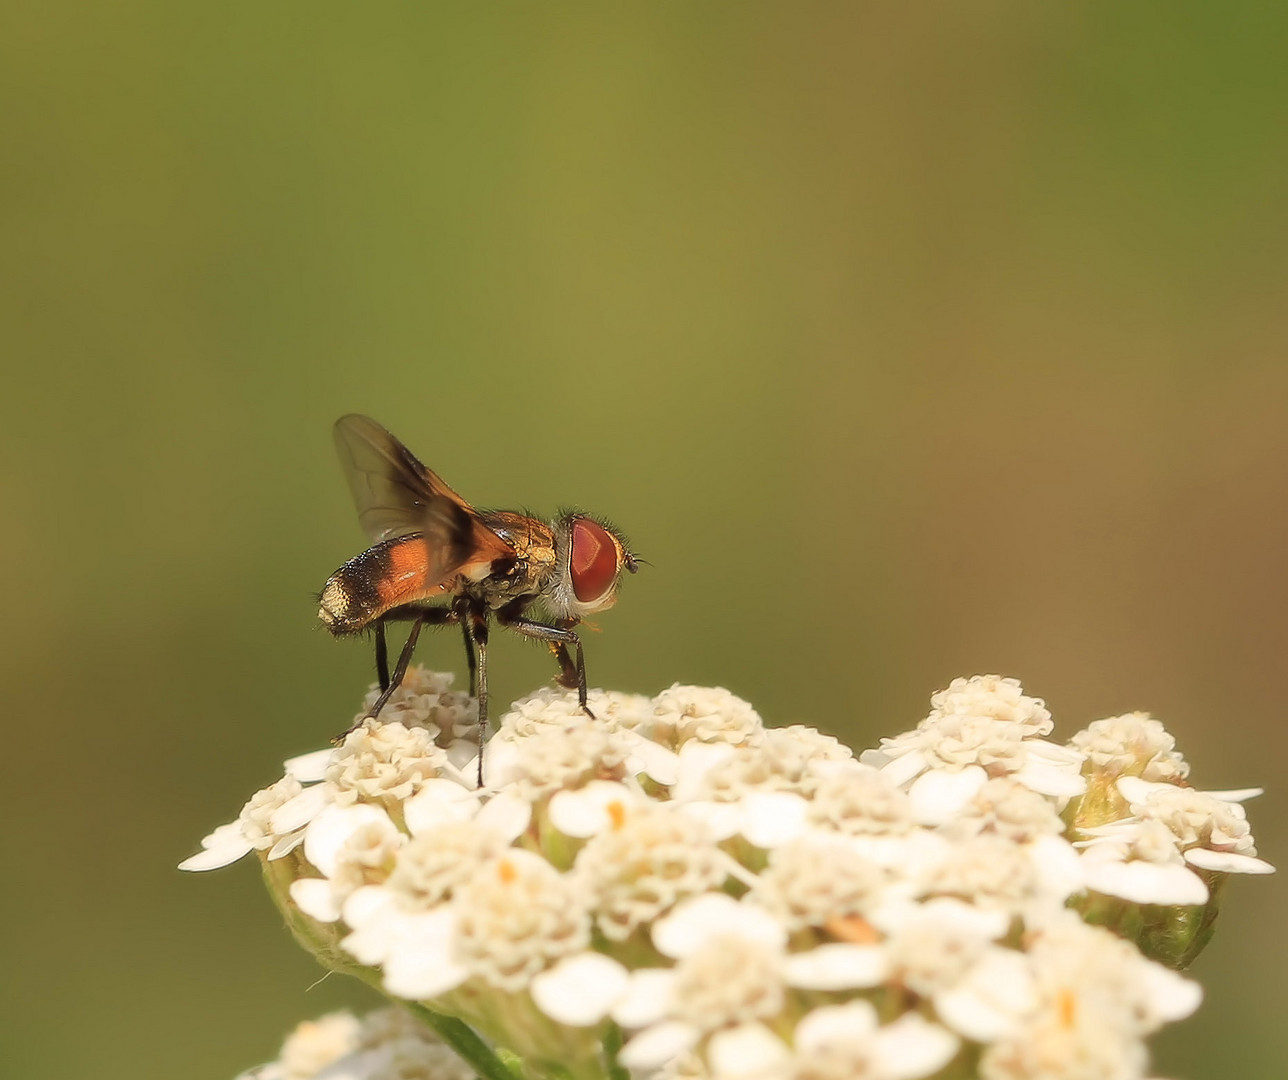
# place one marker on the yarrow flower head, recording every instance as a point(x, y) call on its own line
point(382, 1045)
point(673, 888)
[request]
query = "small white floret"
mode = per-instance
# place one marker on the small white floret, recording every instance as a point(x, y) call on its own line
point(328, 832)
point(584, 812)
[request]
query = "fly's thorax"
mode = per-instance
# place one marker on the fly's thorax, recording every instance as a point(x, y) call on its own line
point(529, 570)
point(590, 555)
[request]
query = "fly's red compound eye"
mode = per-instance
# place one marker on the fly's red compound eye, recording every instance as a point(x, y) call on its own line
point(594, 560)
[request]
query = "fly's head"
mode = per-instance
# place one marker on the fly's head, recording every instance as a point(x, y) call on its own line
point(590, 556)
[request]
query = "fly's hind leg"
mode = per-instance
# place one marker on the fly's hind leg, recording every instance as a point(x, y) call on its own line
point(388, 683)
point(382, 657)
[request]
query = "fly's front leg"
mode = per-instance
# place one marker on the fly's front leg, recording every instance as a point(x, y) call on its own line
point(572, 674)
point(568, 676)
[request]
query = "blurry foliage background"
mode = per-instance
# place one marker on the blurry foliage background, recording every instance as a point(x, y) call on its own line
point(906, 342)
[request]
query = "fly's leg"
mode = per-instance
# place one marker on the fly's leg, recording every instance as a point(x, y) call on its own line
point(572, 674)
point(382, 657)
point(418, 617)
point(567, 677)
point(404, 658)
point(471, 658)
point(474, 623)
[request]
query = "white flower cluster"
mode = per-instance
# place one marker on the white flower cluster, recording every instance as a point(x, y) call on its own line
point(721, 899)
point(384, 1045)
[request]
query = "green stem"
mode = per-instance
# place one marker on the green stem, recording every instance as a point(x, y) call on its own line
point(612, 1045)
point(465, 1041)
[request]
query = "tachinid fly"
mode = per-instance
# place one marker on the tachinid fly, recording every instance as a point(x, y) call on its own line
point(437, 560)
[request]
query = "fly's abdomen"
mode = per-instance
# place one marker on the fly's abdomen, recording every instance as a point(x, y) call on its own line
point(389, 575)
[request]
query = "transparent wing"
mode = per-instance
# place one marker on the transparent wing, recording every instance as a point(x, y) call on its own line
point(398, 496)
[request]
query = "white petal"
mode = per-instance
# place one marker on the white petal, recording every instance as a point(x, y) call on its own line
point(963, 919)
point(990, 1001)
point(1124, 829)
point(1054, 754)
point(1237, 795)
point(695, 760)
point(286, 845)
point(912, 1047)
point(1146, 882)
point(588, 810)
point(911, 853)
point(836, 1023)
point(1172, 997)
point(838, 967)
point(771, 819)
point(424, 965)
point(903, 769)
point(580, 990)
point(747, 1051)
point(369, 903)
point(1051, 778)
point(316, 898)
point(213, 858)
point(722, 819)
point(438, 801)
point(939, 795)
point(225, 845)
point(1227, 862)
point(297, 812)
point(1135, 790)
point(501, 764)
point(310, 767)
point(874, 758)
point(333, 826)
point(647, 997)
point(655, 1046)
point(506, 814)
point(659, 763)
point(463, 757)
point(1058, 865)
point(376, 935)
point(693, 922)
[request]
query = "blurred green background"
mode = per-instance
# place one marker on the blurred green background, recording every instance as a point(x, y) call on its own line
point(905, 342)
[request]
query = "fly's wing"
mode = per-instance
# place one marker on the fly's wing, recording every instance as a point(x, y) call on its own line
point(398, 496)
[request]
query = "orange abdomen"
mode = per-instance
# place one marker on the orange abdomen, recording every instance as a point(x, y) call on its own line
point(389, 575)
